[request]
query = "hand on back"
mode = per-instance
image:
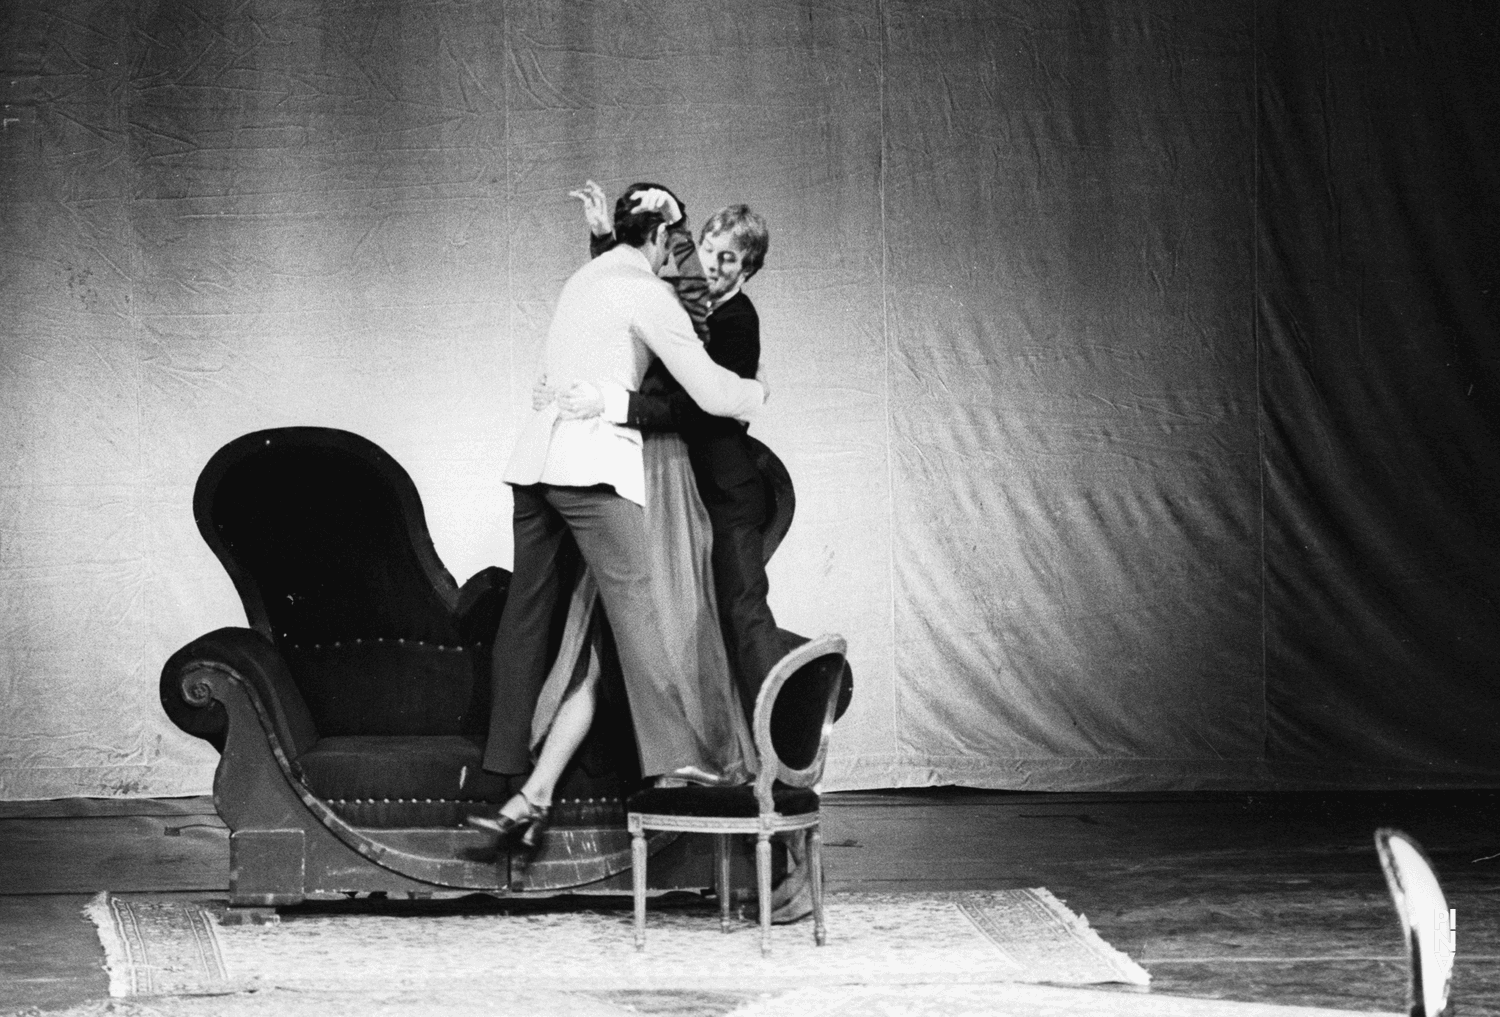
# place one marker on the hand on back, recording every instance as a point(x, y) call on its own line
point(580, 401)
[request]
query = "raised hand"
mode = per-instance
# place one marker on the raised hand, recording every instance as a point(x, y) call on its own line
point(595, 208)
point(656, 200)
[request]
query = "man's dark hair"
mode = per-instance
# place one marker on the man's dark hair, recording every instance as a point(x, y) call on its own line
point(634, 227)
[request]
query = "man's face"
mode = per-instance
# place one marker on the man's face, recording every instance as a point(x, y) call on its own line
point(723, 265)
point(657, 250)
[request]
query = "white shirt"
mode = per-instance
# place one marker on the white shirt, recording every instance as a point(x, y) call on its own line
point(613, 314)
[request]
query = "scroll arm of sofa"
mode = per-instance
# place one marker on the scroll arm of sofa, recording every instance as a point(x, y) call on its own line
point(480, 602)
point(247, 657)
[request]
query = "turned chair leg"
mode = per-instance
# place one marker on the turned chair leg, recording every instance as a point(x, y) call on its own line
point(722, 843)
point(763, 888)
point(638, 882)
point(815, 860)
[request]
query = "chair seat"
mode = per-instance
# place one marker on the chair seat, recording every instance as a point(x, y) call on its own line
point(738, 801)
point(400, 766)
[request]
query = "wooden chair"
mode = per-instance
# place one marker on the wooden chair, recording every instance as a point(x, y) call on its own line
point(1425, 927)
point(794, 715)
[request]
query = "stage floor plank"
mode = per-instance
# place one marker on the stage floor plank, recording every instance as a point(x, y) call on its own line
point(1263, 898)
point(50, 956)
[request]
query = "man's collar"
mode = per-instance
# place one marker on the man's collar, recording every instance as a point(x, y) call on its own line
point(630, 253)
point(726, 298)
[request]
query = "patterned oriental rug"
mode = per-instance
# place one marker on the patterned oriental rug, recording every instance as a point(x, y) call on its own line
point(916, 955)
point(161, 945)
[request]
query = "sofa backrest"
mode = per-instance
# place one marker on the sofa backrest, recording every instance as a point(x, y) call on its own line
point(324, 537)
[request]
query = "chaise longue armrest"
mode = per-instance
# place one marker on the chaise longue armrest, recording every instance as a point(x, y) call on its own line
point(248, 656)
point(480, 601)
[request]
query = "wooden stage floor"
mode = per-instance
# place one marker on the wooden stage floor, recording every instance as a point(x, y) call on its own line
point(1268, 898)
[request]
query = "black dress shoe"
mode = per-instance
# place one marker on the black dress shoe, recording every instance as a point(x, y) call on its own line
point(794, 910)
point(791, 897)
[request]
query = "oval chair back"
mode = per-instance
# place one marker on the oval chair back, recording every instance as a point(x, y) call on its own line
point(794, 715)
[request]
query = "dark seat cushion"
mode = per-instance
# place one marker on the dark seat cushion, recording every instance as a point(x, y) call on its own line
point(738, 802)
point(400, 766)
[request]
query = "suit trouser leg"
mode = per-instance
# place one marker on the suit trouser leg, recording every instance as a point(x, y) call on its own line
point(751, 636)
point(611, 536)
point(519, 662)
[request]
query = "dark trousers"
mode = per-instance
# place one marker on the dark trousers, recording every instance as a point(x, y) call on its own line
point(610, 535)
point(752, 640)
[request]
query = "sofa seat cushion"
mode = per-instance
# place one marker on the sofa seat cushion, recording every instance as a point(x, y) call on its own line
point(400, 766)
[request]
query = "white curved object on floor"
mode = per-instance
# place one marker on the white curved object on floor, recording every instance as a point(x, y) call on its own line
point(1425, 925)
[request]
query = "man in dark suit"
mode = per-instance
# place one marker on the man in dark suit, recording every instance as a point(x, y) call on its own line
point(731, 251)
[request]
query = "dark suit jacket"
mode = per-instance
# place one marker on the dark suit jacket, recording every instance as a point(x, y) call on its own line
point(720, 455)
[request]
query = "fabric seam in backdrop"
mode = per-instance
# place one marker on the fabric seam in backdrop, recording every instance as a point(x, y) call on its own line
point(159, 944)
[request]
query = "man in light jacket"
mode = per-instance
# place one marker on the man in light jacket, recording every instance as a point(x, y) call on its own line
point(585, 477)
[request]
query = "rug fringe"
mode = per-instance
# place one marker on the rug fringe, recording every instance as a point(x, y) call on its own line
point(1131, 973)
point(116, 955)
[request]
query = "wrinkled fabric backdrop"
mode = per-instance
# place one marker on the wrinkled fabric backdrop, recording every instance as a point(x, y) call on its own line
point(1134, 360)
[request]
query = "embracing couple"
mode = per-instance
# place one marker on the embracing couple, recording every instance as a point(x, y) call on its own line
point(636, 456)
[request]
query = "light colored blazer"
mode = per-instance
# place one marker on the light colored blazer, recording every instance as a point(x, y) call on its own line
point(612, 316)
